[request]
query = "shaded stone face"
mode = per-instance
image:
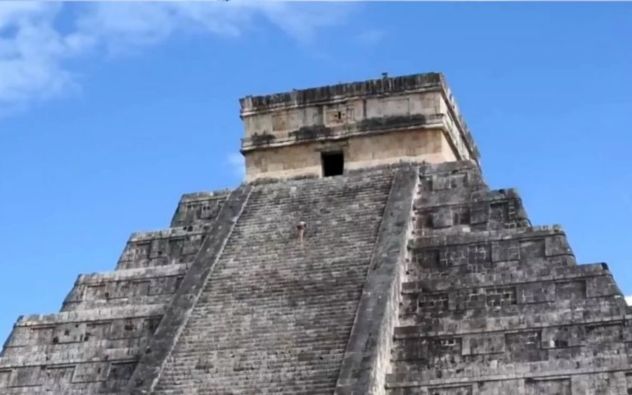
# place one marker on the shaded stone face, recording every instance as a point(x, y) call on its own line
point(390, 278)
point(375, 122)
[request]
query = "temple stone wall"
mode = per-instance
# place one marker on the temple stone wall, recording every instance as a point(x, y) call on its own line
point(374, 122)
point(345, 110)
point(491, 305)
point(359, 152)
point(108, 319)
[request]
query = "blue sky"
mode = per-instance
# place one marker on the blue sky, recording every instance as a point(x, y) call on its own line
point(109, 112)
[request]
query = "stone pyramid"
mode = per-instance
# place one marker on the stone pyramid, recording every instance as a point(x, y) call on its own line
point(364, 254)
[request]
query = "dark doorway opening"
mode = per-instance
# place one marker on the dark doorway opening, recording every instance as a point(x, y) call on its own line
point(333, 163)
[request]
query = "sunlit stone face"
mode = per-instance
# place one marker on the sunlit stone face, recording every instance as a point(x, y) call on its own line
point(371, 123)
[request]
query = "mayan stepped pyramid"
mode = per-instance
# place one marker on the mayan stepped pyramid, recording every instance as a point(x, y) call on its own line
point(364, 254)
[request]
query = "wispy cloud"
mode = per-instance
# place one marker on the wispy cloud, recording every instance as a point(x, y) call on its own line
point(31, 52)
point(34, 48)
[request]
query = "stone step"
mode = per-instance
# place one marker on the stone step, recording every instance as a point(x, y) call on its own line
point(86, 377)
point(514, 317)
point(69, 354)
point(491, 210)
point(132, 274)
point(511, 272)
point(469, 348)
point(108, 313)
point(114, 323)
point(86, 389)
point(199, 207)
point(449, 169)
point(590, 361)
point(448, 198)
point(122, 287)
point(485, 236)
point(94, 304)
point(164, 247)
point(496, 297)
point(306, 376)
point(471, 251)
point(318, 339)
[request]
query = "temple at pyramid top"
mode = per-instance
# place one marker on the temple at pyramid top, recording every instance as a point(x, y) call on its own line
point(326, 130)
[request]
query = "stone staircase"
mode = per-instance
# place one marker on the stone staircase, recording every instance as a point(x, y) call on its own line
point(276, 312)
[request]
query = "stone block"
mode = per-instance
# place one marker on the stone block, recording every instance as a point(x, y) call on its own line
point(601, 286)
point(90, 372)
point(480, 344)
point(548, 386)
point(505, 250)
point(535, 293)
point(442, 218)
point(556, 245)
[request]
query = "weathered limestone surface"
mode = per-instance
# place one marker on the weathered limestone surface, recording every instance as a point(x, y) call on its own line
point(490, 305)
point(366, 355)
point(409, 280)
point(107, 319)
point(401, 276)
point(276, 313)
point(186, 298)
point(375, 122)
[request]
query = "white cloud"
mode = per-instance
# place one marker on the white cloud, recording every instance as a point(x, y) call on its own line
point(628, 300)
point(122, 26)
point(303, 23)
point(33, 48)
point(30, 54)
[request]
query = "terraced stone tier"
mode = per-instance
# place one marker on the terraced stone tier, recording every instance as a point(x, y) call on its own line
point(490, 305)
point(154, 285)
point(198, 207)
point(166, 247)
point(79, 350)
point(107, 319)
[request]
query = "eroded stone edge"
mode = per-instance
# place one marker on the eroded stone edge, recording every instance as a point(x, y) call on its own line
point(367, 350)
point(147, 373)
